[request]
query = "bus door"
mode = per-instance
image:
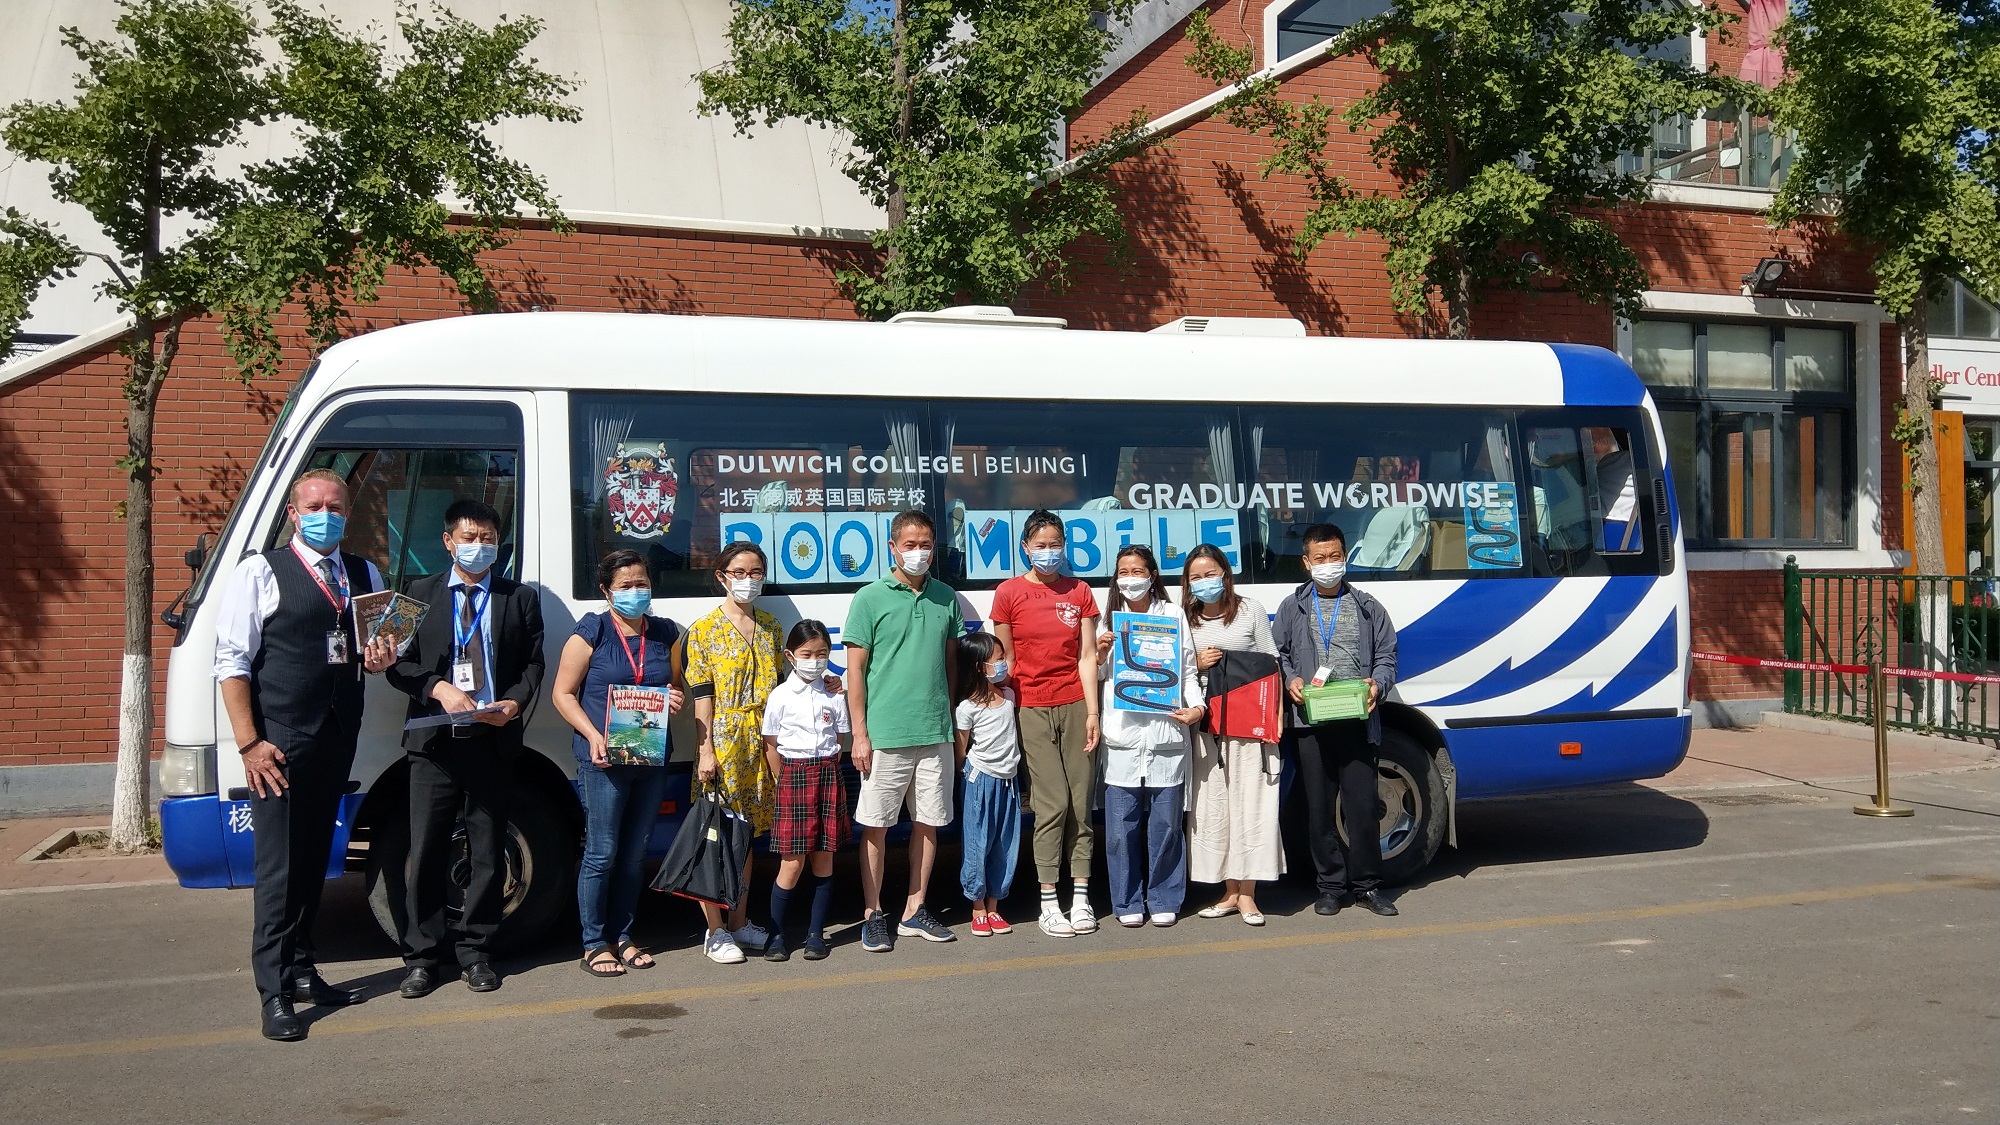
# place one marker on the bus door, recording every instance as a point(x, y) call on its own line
point(405, 455)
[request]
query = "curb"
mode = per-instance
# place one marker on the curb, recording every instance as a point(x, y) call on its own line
point(1908, 740)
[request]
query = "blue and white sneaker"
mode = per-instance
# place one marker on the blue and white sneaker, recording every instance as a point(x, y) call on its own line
point(722, 949)
point(875, 933)
point(752, 937)
point(925, 925)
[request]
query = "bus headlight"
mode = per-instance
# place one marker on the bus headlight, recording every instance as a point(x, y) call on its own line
point(187, 771)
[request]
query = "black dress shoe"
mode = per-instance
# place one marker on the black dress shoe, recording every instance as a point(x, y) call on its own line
point(280, 1022)
point(418, 982)
point(1330, 904)
point(1374, 901)
point(314, 990)
point(481, 977)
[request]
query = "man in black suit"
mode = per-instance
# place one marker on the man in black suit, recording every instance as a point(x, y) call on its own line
point(480, 646)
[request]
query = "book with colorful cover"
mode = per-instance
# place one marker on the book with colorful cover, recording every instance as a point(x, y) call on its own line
point(385, 613)
point(635, 726)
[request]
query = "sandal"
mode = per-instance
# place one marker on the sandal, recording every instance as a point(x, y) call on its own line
point(600, 968)
point(631, 956)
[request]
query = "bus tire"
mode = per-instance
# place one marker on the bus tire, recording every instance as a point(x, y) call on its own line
point(1411, 805)
point(541, 854)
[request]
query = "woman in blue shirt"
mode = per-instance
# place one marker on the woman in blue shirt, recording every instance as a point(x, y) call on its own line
point(623, 645)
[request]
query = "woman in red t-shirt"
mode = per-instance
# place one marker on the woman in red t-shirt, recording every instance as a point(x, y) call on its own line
point(1047, 625)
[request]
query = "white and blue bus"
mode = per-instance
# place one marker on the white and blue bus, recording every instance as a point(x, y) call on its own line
point(1509, 504)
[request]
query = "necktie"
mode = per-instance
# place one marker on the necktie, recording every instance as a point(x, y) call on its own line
point(326, 574)
point(475, 648)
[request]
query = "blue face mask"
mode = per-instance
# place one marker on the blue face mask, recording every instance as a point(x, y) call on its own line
point(1206, 589)
point(632, 603)
point(322, 529)
point(474, 558)
point(1046, 560)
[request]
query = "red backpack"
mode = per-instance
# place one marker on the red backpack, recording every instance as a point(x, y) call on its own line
point(1246, 697)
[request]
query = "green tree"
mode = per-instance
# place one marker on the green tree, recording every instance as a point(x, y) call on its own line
point(32, 255)
point(1895, 103)
point(381, 137)
point(1500, 123)
point(953, 110)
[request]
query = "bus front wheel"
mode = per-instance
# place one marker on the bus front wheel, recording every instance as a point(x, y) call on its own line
point(1411, 804)
point(540, 853)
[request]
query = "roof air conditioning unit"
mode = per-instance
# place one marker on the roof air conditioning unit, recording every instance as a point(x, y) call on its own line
point(1282, 326)
point(990, 315)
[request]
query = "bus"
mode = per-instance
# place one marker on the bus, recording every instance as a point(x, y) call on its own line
point(1508, 503)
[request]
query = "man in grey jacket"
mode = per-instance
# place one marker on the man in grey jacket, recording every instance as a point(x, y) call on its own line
point(1325, 632)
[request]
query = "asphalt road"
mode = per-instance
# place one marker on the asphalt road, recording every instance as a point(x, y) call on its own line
point(1742, 955)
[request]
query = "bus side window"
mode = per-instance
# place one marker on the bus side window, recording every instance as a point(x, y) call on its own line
point(1562, 497)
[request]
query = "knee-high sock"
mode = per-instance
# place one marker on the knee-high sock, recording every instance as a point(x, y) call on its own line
point(822, 899)
point(781, 901)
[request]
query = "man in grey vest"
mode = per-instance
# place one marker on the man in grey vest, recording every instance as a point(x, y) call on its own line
point(290, 669)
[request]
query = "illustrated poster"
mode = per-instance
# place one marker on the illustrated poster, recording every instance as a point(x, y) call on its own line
point(1493, 530)
point(1145, 663)
point(386, 613)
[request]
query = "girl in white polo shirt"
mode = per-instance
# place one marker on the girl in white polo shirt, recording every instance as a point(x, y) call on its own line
point(803, 723)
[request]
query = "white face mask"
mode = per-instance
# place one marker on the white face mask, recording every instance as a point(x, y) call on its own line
point(1328, 575)
point(1046, 559)
point(810, 670)
point(1135, 588)
point(916, 563)
point(745, 589)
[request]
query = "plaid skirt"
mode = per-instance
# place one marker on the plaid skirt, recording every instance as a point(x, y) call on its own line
point(812, 807)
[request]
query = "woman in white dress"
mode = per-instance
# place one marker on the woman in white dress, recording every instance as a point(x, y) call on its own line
point(1233, 817)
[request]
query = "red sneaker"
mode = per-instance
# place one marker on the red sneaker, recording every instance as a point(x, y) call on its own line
point(981, 926)
point(998, 925)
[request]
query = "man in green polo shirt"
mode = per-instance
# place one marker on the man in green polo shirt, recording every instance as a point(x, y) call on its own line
point(899, 640)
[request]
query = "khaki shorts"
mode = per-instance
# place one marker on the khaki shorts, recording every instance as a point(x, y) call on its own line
point(920, 775)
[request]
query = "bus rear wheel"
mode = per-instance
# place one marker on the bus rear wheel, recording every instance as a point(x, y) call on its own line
point(540, 853)
point(1411, 804)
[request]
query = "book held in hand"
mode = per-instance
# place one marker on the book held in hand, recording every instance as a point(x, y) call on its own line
point(385, 613)
point(635, 726)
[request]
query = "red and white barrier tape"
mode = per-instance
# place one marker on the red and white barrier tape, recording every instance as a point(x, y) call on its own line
point(1849, 669)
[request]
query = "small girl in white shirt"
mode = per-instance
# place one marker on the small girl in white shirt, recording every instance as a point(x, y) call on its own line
point(803, 723)
point(989, 755)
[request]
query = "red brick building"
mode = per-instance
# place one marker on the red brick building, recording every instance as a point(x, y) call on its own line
point(1209, 237)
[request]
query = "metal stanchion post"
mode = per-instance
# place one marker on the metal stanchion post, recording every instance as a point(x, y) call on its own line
point(1882, 807)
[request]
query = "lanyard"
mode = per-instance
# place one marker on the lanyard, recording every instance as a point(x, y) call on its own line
point(340, 602)
point(478, 599)
point(1326, 629)
point(638, 662)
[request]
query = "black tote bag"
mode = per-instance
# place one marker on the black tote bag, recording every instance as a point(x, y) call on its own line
point(705, 862)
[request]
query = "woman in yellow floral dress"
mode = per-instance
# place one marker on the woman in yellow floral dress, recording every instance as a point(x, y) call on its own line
point(732, 664)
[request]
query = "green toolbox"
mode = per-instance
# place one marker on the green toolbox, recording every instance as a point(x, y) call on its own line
point(1341, 699)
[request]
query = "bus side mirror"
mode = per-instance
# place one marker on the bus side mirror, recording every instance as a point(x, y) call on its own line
point(197, 554)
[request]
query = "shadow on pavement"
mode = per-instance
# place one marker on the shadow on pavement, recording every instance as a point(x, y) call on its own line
point(1617, 820)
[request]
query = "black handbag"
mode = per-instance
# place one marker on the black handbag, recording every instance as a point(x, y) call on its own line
point(705, 862)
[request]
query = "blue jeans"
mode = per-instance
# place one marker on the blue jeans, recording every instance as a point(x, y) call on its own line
point(1147, 849)
point(991, 834)
point(620, 804)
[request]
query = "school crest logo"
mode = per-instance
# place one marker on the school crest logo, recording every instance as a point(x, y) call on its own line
point(639, 490)
point(1069, 613)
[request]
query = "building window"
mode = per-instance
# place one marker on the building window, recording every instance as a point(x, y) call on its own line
point(1311, 22)
point(1759, 421)
point(1959, 313)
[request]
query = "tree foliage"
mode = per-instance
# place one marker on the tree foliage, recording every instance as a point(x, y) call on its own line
point(381, 136)
point(1895, 103)
point(952, 109)
point(32, 255)
point(1500, 123)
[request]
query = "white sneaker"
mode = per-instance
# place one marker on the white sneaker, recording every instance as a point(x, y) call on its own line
point(722, 949)
point(1165, 918)
point(1053, 923)
point(1082, 918)
point(1130, 921)
point(752, 937)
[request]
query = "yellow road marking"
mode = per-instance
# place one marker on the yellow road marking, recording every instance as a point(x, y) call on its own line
point(365, 1025)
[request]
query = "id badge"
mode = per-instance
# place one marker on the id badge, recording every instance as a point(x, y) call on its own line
point(461, 675)
point(1320, 677)
point(336, 646)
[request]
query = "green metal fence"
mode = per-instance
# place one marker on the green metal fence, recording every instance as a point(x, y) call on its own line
point(1936, 623)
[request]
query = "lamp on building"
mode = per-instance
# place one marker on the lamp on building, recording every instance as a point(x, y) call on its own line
point(1765, 279)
